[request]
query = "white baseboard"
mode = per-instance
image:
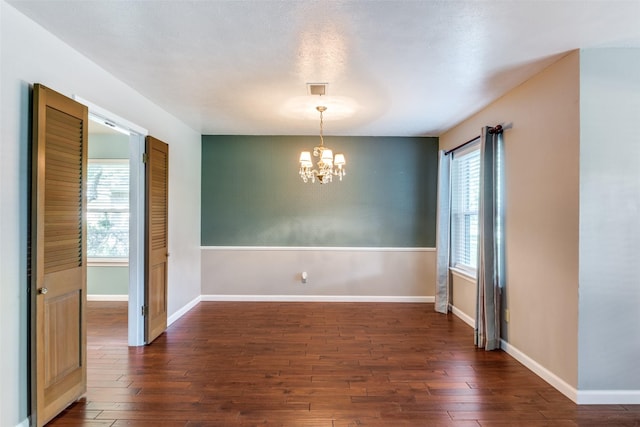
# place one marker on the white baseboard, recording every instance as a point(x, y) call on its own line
point(581, 397)
point(555, 381)
point(316, 298)
point(24, 423)
point(609, 397)
point(107, 297)
point(178, 314)
point(316, 248)
point(463, 316)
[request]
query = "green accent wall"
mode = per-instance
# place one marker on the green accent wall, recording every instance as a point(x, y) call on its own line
point(108, 280)
point(252, 194)
point(108, 146)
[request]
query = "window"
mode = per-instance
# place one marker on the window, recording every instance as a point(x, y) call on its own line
point(108, 209)
point(465, 195)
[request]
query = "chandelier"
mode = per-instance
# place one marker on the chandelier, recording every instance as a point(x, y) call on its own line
point(328, 165)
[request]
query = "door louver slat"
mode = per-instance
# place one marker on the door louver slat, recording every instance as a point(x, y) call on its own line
point(159, 201)
point(63, 192)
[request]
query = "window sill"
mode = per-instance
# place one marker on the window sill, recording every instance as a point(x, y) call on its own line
point(464, 274)
point(107, 262)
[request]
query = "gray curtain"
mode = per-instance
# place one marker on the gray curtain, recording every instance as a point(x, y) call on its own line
point(443, 233)
point(490, 241)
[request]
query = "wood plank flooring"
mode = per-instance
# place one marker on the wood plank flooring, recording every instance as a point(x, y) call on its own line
point(314, 364)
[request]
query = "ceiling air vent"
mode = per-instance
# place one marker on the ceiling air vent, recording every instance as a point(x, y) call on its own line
point(317, 88)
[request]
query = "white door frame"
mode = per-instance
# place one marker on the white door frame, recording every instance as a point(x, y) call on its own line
point(136, 238)
point(137, 136)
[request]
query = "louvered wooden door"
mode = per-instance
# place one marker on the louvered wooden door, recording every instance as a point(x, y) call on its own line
point(58, 253)
point(156, 232)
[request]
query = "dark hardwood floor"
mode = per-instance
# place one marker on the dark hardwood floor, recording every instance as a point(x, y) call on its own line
point(314, 364)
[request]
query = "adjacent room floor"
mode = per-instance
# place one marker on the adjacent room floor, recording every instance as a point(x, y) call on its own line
point(314, 364)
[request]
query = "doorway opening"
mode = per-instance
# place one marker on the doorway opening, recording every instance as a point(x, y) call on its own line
point(107, 214)
point(115, 215)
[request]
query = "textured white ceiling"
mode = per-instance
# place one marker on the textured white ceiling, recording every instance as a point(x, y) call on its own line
point(399, 68)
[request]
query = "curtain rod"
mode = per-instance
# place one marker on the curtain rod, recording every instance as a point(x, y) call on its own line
point(497, 129)
point(464, 144)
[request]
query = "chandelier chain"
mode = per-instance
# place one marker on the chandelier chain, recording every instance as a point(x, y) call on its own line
point(321, 126)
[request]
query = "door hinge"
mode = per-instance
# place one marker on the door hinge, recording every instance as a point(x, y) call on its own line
point(145, 157)
point(145, 310)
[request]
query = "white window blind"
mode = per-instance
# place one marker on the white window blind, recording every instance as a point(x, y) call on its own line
point(465, 192)
point(108, 209)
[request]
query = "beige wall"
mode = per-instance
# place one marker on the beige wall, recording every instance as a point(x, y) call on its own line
point(542, 212)
point(349, 273)
point(463, 295)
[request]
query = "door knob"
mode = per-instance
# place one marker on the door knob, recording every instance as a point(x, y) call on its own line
point(43, 291)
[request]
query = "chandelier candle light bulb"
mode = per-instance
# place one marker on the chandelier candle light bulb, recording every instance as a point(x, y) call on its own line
point(326, 162)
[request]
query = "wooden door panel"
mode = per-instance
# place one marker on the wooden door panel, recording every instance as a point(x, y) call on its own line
point(61, 343)
point(58, 254)
point(156, 230)
point(157, 300)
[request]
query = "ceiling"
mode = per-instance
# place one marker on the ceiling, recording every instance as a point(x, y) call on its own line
point(401, 68)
